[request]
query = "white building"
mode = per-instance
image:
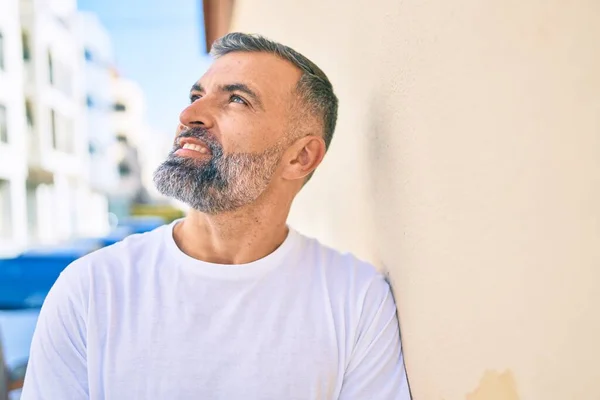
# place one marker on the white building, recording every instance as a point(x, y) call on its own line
point(59, 200)
point(132, 134)
point(156, 149)
point(98, 73)
point(141, 147)
point(129, 108)
point(61, 113)
point(13, 165)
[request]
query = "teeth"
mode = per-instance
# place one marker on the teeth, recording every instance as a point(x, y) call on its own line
point(195, 147)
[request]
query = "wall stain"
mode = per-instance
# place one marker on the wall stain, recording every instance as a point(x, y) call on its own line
point(495, 386)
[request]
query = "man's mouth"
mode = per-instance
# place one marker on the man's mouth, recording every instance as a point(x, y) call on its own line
point(192, 147)
point(195, 147)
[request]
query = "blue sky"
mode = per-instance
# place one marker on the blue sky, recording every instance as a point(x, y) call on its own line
point(159, 44)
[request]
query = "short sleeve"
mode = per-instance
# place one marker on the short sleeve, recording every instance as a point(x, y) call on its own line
point(376, 367)
point(57, 367)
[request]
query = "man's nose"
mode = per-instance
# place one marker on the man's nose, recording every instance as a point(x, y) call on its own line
point(197, 115)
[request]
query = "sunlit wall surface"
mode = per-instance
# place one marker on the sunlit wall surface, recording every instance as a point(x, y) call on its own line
point(467, 164)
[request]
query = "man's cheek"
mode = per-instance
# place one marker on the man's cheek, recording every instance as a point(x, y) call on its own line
point(178, 131)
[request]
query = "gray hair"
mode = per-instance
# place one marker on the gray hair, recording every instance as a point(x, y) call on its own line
point(314, 88)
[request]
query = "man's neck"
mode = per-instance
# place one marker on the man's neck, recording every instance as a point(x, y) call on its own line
point(237, 237)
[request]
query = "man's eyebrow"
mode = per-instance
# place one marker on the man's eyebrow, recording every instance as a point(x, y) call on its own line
point(196, 87)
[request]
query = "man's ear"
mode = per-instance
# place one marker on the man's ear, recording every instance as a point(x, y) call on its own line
point(303, 157)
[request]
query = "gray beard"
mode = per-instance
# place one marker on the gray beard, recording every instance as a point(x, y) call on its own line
point(223, 183)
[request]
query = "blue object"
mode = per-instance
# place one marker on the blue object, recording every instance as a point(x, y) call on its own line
point(16, 328)
point(71, 250)
point(26, 280)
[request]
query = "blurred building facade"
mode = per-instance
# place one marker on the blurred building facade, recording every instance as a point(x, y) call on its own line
point(13, 148)
point(131, 131)
point(466, 164)
point(69, 127)
point(58, 152)
point(98, 72)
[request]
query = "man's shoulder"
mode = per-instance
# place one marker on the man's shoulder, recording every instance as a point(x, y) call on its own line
point(355, 289)
point(132, 244)
point(344, 268)
point(120, 254)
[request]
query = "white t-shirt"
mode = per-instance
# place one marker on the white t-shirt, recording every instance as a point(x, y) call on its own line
point(142, 320)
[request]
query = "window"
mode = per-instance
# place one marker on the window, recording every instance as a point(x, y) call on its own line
point(29, 113)
point(120, 107)
point(3, 125)
point(32, 210)
point(68, 135)
point(50, 68)
point(26, 46)
point(53, 129)
point(60, 75)
point(63, 22)
point(124, 169)
point(1, 51)
point(5, 210)
point(63, 134)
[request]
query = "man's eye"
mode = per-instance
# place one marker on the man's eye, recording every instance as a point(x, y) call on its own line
point(237, 99)
point(194, 97)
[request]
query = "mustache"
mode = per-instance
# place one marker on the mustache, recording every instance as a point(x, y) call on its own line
point(201, 134)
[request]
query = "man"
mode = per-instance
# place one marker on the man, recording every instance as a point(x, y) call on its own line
point(229, 303)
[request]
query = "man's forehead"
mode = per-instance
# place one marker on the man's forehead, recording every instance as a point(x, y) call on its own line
point(262, 71)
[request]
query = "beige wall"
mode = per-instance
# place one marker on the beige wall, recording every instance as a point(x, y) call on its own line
point(467, 163)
